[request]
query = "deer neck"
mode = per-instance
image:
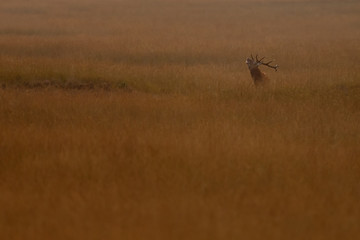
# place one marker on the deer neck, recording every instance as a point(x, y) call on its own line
point(257, 75)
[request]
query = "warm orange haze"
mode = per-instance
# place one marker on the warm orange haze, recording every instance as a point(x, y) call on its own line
point(140, 120)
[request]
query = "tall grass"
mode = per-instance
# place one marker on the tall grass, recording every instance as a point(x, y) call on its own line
point(139, 120)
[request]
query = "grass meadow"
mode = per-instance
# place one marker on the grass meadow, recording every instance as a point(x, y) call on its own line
point(139, 120)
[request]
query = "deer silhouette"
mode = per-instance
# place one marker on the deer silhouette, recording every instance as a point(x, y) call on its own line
point(257, 75)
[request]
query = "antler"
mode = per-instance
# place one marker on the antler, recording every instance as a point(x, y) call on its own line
point(266, 64)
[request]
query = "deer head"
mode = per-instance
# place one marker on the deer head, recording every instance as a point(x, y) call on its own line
point(258, 76)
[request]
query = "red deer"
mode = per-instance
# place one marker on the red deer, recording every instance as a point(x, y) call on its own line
point(258, 76)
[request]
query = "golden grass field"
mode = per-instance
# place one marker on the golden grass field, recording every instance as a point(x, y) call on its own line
point(139, 120)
